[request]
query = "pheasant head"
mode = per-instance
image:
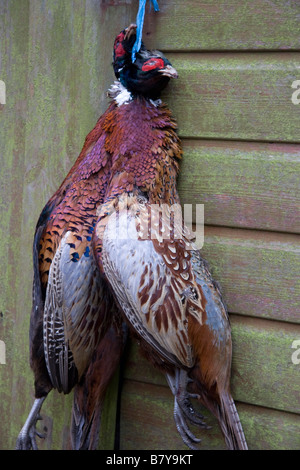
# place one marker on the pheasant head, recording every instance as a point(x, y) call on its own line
point(148, 75)
point(122, 48)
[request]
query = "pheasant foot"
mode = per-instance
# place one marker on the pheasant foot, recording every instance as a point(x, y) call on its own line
point(27, 437)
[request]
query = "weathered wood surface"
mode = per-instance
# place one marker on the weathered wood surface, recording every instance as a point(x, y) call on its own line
point(242, 184)
point(55, 59)
point(257, 345)
point(258, 271)
point(56, 63)
point(193, 25)
point(246, 96)
point(13, 68)
point(147, 423)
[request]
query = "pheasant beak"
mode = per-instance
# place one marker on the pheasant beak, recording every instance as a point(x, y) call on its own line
point(130, 31)
point(169, 71)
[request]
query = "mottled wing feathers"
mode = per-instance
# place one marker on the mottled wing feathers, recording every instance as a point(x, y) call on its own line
point(157, 293)
point(75, 315)
point(76, 213)
point(71, 209)
point(37, 359)
point(86, 305)
point(58, 357)
point(216, 311)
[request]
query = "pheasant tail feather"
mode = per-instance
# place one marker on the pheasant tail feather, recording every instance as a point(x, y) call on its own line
point(231, 425)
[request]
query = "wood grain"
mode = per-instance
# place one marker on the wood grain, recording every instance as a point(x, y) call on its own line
point(195, 25)
point(14, 30)
point(147, 420)
point(258, 271)
point(56, 62)
point(147, 423)
point(262, 364)
point(242, 184)
point(243, 96)
point(52, 63)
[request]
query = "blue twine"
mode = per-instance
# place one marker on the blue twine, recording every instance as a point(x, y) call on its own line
point(140, 23)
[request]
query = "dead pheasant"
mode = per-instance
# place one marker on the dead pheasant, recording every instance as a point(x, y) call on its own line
point(154, 269)
point(76, 333)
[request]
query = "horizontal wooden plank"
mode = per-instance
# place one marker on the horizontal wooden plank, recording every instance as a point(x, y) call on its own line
point(235, 96)
point(232, 24)
point(241, 184)
point(146, 420)
point(262, 364)
point(147, 423)
point(263, 370)
point(258, 271)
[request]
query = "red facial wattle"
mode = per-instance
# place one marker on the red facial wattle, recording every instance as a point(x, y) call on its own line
point(152, 64)
point(118, 46)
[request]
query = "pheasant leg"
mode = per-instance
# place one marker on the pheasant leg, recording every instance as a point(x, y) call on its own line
point(178, 386)
point(186, 435)
point(183, 408)
point(27, 437)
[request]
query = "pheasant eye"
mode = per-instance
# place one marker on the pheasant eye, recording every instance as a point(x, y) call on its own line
point(152, 64)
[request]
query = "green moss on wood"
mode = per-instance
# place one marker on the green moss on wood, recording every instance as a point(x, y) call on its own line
point(239, 97)
point(224, 25)
point(243, 185)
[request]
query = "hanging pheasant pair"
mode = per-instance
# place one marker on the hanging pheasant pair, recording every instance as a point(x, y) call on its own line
point(109, 255)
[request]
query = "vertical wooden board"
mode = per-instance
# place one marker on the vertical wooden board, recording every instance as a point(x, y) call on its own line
point(243, 96)
point(13, 71)
point(223, 25)
point(243, 184)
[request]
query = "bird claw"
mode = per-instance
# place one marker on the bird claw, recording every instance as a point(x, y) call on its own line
point(40, 435)
point(183, 408)
point(26, 441)
point(190, 413)
point(186, 435)
point(178, 386)
point(27, 437)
